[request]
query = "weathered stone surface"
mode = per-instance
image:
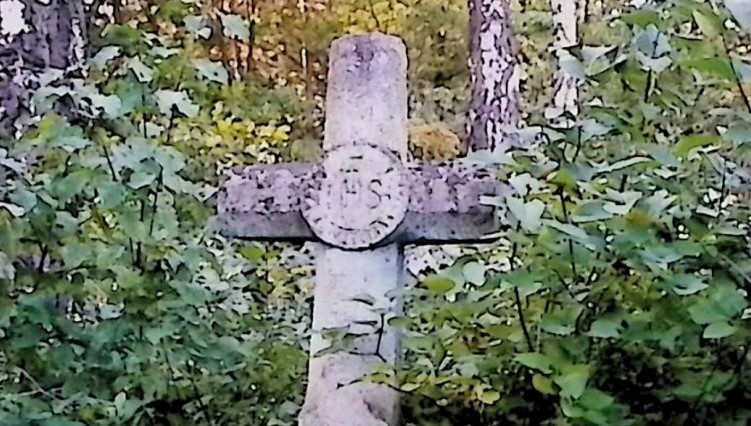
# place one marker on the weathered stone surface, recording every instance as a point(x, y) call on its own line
point(332, 399)
point(264, 202)
point(444, 203)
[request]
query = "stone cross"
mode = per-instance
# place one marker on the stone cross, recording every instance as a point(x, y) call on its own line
point(362, 203)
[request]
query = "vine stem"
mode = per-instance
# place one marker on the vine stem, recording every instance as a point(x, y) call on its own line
point(517, 296)
point(570, 241)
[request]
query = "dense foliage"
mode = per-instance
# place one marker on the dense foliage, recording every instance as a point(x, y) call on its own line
point(617, 293)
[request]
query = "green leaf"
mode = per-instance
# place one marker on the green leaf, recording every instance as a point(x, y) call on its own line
point(167, 100)
point(212, 71)
point(688, 143)
point(143, 73)
point(590, 212)
point(13, 209)
point(197, 26)
point(474, 272)
point(561, 322)
point(235, 26)
point(543, 384)
point(7, 270)
point(438, 284)
point(109, 106)
point(105, 54)
point(595, 399)
point(741, 11)
point(254, 253)
point(573, 381)
point(527, 214)
point(641, 18)
point(718, 330)
point(535, 361)
point(706, 312)
point(686, 284)
point(605, 328)
point(141, 178)
point(75, 254)
point(489, 397)
point(622, 164)
point(708, 22)
point(717, 67)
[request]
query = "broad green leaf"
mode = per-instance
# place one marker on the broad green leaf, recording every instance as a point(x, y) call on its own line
point(474, 272)
point(605, 328)
point(438, 284)
point(254, 253)
point(561, 322)
point(688, 143)
point(641, 18)
point(625, 202)
point(109, 106)
point(590, 212)
point(706, 312)
point(13, 209)
point(105, 54)
point(167, 100)
point(714, 66)
point(535, 361)
point(212, 71)
point(235, 26)
point(75, 254)
point(143, 73)
point(140, 178)
point(686, 284)
point(70, 143)
point(543, 384)
point(718, 330)
point(708, 22)
point(573, 381)
point(595, 399)
point(489, 397)
point(7, 270)
point(527, 214)
point(197, 26)
point(622, 164)
point(729, 300)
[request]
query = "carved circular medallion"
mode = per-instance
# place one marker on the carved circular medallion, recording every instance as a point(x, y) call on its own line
point(362, 197)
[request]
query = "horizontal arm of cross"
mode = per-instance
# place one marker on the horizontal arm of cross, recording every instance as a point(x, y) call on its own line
point(265, 202)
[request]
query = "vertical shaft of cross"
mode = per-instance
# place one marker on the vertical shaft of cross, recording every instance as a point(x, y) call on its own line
point(366, 104)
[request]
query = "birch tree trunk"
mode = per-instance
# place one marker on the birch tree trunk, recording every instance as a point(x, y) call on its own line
point(40, 43)
point(565, 96)
point(495, 72)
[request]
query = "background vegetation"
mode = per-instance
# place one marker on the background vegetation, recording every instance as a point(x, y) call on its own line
point(617, 293)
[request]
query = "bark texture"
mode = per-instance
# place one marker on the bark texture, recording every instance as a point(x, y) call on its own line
point(565, 96)
point(41, 42)
point(495, 72)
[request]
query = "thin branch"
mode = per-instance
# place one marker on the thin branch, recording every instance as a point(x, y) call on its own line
point(518, 302)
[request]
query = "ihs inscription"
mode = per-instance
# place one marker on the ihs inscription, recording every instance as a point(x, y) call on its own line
point(362, 197)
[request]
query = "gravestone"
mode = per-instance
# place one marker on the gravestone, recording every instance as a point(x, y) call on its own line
point(362, 204)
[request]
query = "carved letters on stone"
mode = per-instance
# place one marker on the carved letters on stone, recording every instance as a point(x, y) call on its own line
point(361, 198)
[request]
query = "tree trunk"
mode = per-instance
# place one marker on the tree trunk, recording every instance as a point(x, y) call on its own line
point(40, 43)
point(565, 96)
point(495, 71)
